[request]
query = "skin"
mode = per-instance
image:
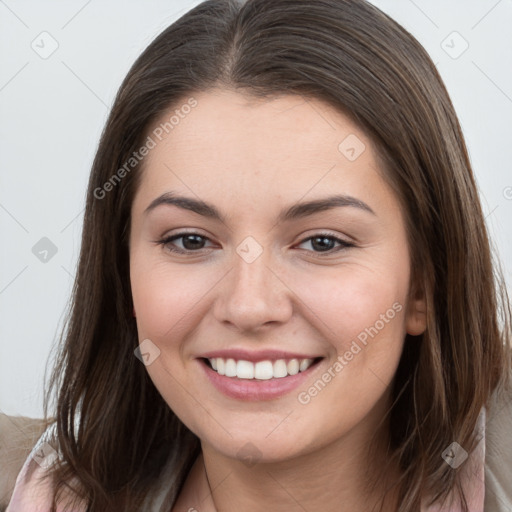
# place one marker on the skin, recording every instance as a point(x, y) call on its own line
point(251, 158)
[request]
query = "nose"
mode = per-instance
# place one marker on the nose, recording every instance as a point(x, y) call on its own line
point(254, 294)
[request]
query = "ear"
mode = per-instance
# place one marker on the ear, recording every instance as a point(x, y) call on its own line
point(416, 316)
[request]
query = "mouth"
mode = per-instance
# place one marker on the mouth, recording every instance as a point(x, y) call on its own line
point(258, 380)
point(260, 370)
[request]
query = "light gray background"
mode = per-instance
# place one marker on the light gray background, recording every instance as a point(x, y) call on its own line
point(52, 111)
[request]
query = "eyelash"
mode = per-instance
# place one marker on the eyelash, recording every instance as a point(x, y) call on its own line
point(343, 243)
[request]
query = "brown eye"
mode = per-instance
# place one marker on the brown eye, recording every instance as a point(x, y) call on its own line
point(325, 243)
point(191, 242)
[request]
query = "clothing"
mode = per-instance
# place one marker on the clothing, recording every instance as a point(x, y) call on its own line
point(29, 495)
point(487, 471)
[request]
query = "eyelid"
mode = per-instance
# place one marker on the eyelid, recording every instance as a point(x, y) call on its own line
point(167, 239)
point(330, 234)
point(344, 244)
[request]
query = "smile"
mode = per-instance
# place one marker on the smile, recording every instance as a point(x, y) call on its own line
point(261, 370)
point(267, 376)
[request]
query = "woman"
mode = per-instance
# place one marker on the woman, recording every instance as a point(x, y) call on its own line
point(285, 297)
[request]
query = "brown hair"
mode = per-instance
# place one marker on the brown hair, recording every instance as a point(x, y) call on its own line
point(356, 58)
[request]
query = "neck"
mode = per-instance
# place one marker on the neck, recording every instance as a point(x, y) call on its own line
point(334, 478)
point(326, 480)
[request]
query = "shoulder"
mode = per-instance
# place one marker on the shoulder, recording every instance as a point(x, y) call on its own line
point(33, 489)
point(18, 436)
point(498, 452)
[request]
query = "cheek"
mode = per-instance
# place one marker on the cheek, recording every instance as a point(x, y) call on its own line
point(361, 312)
point(352, 300)
point(167, 301)
point(165, 296)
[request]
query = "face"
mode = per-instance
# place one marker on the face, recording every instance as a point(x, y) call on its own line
point(304, 309)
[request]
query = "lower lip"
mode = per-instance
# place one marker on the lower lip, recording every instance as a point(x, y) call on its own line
point(254, 389)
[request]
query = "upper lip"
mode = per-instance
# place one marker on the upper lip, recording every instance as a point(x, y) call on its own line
point(255, 356)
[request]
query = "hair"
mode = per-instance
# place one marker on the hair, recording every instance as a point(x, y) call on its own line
point(114, 430)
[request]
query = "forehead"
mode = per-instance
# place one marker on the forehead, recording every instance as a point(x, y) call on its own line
point(245, 147)
point(280, 122)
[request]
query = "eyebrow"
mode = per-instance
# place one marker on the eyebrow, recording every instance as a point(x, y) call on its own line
point(295, 211)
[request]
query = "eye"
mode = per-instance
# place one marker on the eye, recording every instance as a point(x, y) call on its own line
point(191, 242)
point(194, 242)
point(324, 242)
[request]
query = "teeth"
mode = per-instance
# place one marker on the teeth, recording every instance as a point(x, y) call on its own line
point(293, 367)
point(244, 369)
point(230, 368)
point(220, 366)
point(262, 370)
point(279, 369)
point(305, 364)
